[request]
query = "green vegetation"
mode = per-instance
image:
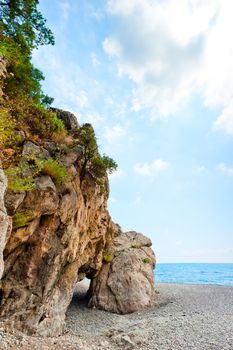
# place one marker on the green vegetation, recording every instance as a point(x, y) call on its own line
point(24, 106)
point(21, 21)
point(7, 127)
point(22, 218)
point(102, 165)
point(108, 258)
point(55, 170)
point(146, 260)
point(22, 177)
point(98, 166)
point(22, 29)
point(33, 119)
point(24, 79)
point(46, 101)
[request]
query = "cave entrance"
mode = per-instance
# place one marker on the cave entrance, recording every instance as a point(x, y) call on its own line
point(78, 311)
point(79, 299)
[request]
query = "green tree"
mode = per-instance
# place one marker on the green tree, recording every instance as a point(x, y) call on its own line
point(87, 140)
point(98, 166)
point(109, 164)
point(46, 100)
point(24, 23)
point(22, 28)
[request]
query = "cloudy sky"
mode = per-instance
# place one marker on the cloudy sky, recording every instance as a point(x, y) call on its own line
point(155, 78)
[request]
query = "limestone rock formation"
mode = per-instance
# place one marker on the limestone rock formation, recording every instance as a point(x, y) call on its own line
point(68, 118)
point(62, 232)
point(59, 236)
point(5, 223)
point(125, 282)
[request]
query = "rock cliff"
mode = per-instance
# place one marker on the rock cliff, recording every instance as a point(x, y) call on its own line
point(61, 233)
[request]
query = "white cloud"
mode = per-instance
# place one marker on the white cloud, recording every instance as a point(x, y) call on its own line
point(225, 120)
point(136, 105)
point(172, 49)
point(68, 81)
point(224, 169)
point(65, 9)
point(94, 60)
point(201, 169)
point(115, 133)
point(111, 47)
point(94, 12)
point(82, 99)
point(93, 118)
point(150, 169)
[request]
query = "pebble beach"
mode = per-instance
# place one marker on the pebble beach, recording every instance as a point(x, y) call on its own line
point(181, 317)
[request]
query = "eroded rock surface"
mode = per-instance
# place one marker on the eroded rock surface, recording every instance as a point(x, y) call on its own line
point(61, 233)
point(3, 74)
point(68, 118)
point(59, 236)
point(125, 282)
point(5, 222)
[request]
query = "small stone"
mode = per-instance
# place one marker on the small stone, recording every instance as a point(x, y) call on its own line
point(13, 201)
point(124, 340)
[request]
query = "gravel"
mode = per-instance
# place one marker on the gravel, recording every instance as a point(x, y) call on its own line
point(182, 317)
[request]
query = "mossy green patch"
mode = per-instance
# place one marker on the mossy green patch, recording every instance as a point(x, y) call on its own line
point(55, 170)
point(21, 219)
point(146, 260)
point(108, 258)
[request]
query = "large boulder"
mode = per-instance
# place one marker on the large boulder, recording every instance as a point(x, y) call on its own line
point(125, 282)
point(69, 119)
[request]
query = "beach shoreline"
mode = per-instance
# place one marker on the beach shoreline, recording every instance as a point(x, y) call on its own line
point(181, 317)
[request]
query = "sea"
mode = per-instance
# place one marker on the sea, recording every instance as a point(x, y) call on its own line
point(195, 273)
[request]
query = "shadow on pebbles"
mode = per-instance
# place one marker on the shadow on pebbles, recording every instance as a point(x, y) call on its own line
point(182, 317)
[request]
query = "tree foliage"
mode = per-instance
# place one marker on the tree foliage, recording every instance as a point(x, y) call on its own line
point(96, 164)
point(87, 140)
point(24, 23)
point(22, 28)
point(23, 78)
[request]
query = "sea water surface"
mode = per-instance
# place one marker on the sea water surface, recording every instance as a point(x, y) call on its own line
point(195, 273)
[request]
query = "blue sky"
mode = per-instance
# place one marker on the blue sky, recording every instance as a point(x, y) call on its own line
point(155, 78)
